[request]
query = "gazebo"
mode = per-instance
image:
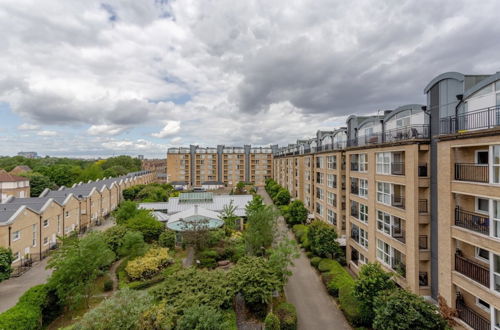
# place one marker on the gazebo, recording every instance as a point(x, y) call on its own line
point(194, 218)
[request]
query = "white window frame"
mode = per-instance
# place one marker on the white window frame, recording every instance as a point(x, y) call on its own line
point(476, 202)
point(478, 256)
point(331, 216)
point(320, 208)
point(34, 235)
point(493, 274)
point(362, 163)
point(382, 166)
point(363, 188)
point(384, 194)
point(46, 241)
point(386, 226)
point(16, 256)
point(496, 318)
point(363, 212)
point(331, 162)
point(362, 236)
point(45, 223)
point(16, 235)
point(331, 198)
point(330, 180)
point(381, 253)
point(319, 193)
point(476, 158)
point(481, 305)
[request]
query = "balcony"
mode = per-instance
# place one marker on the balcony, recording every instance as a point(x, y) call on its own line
point(398, 168)
point(406, 133)
point(399, 233)
point(471, 317)
point(423, 279)
point(472, 270)
point(471, 172)
point(472, 221)
point(423, 206)
point(473, 120)
point(422, 169)
point(398, 201)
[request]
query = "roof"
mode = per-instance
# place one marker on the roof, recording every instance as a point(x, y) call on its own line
point(212, 183)
point(192, 217)
point(196, 197)
point(217, 204)
point(20, 169)
point(6, 177)
point(447, 75)
point(37, 204)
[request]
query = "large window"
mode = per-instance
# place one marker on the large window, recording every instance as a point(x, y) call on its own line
point(331, 217)
point(496, 219)
point(383, 163)
point(331, 162)
point(363, 163)
point(363, 188)
point(319, 162)
point(384, 222)
point(363, 213)
point(359, 235)
point(496, 272)
point(496, 164)
point(384, 252)
point(331, 199)
point(319, 177)
point(319, 193)
point(384, 192)
point(331, 180)
point(319, 208)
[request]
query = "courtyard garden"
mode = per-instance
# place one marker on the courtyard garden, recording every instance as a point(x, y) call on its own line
point(140, 275)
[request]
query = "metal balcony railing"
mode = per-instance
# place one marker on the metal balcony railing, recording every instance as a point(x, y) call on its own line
point(406, 133)
point(472, 270)
point(472, 120)
point(398, 168)
point(398, 201)
point(471, 317)
point(423, 206)
point(472, 221)
point(471, 172)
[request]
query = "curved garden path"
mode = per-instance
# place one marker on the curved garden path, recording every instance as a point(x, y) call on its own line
point(316, 309)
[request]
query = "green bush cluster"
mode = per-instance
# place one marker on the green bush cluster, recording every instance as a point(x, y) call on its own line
point(272, 322)
point(287, 316)
point(33, 307)
point(325, 265)
point(315, 261)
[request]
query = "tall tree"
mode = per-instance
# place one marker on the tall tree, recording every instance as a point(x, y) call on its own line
point(260, 232)
point(5, 263)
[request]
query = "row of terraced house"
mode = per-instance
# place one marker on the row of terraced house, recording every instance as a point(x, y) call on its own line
point(31, 226)
point(416, 189)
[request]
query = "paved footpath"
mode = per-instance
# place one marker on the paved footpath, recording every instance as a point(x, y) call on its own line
point(13, 288)
point(316, 309)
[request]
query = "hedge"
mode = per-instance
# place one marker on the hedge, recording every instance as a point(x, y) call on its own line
point(315, 261)
point(300, 231)
point(326, 265)
point(27, 313)
point(340, 278)
point(350, 305)
point(287, 315)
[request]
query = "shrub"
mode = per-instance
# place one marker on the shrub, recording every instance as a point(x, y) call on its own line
point(287, 315)
point(282, 197)
point(272, 322)
point(300, 232)
point(323, 239)
point(297, 212)
point(5, 263)
point(147, 225)
point(309, 254)
point(108, 285)
point(315, 261)
point(132, 244)
point(167, 239)
point(340, 278)
point(325, 265)
point(208, 263)
point(121, 311)
point(401, 310)
point(114, 237)
point(350, 306)
point(201, 318)
point(149, 265)
point(209, 254)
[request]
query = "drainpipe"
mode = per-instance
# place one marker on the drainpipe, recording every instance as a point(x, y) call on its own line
point(460, 98)
point(10, 237)
point(40, 234)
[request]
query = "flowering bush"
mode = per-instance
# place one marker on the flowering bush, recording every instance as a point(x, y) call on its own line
point(148, 265)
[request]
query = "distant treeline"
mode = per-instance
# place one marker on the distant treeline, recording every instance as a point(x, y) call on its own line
point(52, 172)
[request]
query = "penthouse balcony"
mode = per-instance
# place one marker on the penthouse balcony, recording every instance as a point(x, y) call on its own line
point(476, 222)
point(406, 133)
point(472, 120)
point(473, 270)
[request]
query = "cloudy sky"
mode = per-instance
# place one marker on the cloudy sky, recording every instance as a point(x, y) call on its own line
point(92, 78)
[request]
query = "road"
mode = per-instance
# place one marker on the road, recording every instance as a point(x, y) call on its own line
point(316, 309)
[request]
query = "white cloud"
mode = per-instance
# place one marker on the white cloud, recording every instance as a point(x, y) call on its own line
point(46, 133)
point(27, 127)
point(172, 127)
point(105, 130)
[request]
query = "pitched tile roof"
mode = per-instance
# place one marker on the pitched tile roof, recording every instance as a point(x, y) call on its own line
point(6, 177)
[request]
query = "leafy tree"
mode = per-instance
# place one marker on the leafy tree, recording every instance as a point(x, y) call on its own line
point(38, 183)
point(76, 265)
point(281, 258)
point(254, 205)
point(147, 225)
point(282, 197)
point(152, 193)
point(260, 231)
point(5, 263)
point(240, 187)
point(129, 163)
point(133, 244)
point(114, 237)
point(159, 316)
point(371, 281)
point(167, 239)
point(115, 171)
point(323, 239)
point(272, 188)
point(122, 311)
point(130, 194)
point(229, 217)
point(92, 172)
point(256, 280)
point(201, 318)
point(126, 210)
point(401, 310)
point(272, 322)
point(297, 212)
